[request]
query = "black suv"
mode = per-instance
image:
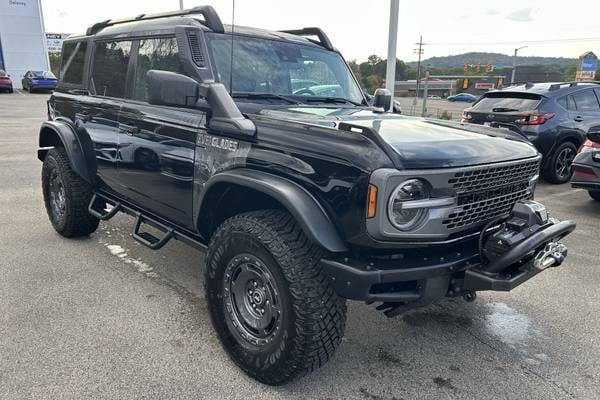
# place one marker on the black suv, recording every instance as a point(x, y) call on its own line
point(260, 148)
point(554, 116)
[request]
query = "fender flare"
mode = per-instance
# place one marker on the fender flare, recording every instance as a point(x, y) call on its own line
point(72, 144)
point(306, 210)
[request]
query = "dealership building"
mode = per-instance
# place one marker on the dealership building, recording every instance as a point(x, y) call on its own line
point(22, 39)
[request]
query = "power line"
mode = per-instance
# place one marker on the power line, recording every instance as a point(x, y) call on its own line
point(567, 40)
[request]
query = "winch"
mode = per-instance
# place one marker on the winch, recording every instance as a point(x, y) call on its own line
point(528, 219)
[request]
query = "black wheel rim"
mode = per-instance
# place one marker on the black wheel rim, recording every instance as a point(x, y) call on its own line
point(564, 159)
point(58, 198)
point(251, 300)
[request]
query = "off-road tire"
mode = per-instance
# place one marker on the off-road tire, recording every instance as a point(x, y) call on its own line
point(75, 221)
point(549, 171)
point(313, 317)
point(594, 194)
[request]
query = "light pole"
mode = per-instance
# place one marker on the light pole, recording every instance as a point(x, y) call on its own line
point(181, 4)
point(514, 71)
point(390, 75)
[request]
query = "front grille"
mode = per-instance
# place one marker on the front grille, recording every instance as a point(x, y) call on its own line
point(489, 192)
point(490, 177)
point(484, 210)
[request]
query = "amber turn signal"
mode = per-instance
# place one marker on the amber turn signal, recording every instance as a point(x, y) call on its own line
point(371, 201)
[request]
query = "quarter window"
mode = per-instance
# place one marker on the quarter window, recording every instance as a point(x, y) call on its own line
point(586, 101)
point(109, 70)
point(73, 61)
point(159, 54)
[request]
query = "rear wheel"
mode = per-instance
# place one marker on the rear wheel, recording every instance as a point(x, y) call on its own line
point(272, 308)
point(594, 194)
point(558, 167)
point(66, 196)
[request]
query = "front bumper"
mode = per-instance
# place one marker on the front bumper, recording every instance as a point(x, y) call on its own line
point(424, 277)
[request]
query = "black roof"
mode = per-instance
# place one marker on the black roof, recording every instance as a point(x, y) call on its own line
point(548, 89)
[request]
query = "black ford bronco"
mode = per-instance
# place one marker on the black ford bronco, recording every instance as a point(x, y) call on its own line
point(260, 147)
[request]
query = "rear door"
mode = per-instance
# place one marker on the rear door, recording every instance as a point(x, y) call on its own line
point(503, 107)
point(156, 143)
point(99, 112)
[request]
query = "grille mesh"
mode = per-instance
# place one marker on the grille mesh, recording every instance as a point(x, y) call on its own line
point(484, 210)
point(487, 193)
point(487, 178)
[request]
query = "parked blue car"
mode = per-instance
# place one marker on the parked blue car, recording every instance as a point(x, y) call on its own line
point(466, 97)
point(38, 80)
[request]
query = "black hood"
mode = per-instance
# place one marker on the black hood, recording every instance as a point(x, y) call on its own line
point(421, 142)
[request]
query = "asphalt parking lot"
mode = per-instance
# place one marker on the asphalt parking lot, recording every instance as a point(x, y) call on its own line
point(104, 317)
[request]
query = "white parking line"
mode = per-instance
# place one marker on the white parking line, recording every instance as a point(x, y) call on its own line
point(20, 92)
point(557, 195)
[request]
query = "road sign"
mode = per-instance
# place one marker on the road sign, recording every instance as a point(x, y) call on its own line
point(589, 64)
point(484, 85)
point(498, 67)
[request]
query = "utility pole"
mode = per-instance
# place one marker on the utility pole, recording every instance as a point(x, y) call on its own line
point(181, 4)
point(419, 51)
point(390, 75)
point(514, 71)
point(425, 93)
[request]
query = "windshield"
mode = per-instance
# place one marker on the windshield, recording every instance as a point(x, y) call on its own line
point(507, 102)
point(43, 74)
point(272, 67)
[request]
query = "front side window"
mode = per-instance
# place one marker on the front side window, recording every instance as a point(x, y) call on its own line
point(263, 66)
point(73, 61)
point(109, 68)
point(156, 53)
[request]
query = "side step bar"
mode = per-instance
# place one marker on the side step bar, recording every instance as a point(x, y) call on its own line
point(97, 208)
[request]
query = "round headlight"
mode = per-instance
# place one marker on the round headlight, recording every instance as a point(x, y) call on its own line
point(405, 218)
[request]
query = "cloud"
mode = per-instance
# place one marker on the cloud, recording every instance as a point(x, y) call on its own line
point(492, 11)
point(521, 15)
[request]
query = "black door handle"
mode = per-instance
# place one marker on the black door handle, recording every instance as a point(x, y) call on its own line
point(129, 129)
point(84, 116)
point(578, 118)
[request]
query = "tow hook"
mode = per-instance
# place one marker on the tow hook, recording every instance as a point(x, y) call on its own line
point(553, 255)
point(469, 296)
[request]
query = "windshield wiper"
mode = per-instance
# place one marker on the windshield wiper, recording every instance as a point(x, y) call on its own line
point(264, 96)
point(336, 100)
point(504, 109)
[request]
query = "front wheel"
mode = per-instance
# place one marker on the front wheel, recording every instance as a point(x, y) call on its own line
point(272, 308)
point(66, 196)
point(557, 168)
point(594, 194)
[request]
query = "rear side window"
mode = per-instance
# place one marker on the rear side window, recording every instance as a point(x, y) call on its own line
point(507, 102)
point(73, 61)
point(109, 68)
point(156, 53)
point(586, 101)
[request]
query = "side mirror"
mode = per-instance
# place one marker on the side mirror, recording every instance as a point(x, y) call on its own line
point(382, 100)
point(594, 134)
point(171, 89)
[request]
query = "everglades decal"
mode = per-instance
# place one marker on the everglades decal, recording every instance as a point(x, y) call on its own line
point(216, 142)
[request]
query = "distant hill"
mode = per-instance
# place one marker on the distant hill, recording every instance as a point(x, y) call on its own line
point(494, 58)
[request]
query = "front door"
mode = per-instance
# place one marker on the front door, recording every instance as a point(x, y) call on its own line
point(156, 143)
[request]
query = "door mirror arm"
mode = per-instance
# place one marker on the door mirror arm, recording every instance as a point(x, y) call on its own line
point(226, 117)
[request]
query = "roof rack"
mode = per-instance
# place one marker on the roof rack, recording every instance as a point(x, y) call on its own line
point(557, 86)
point(211, 19)
point(318, 32)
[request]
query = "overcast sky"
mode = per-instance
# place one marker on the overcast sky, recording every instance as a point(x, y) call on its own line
point(360, 27)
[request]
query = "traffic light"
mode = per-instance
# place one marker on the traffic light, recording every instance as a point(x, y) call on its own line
point(500, 82)
point(490, 67)
point(465, 84)
point(478, 67)
point(466, 67)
